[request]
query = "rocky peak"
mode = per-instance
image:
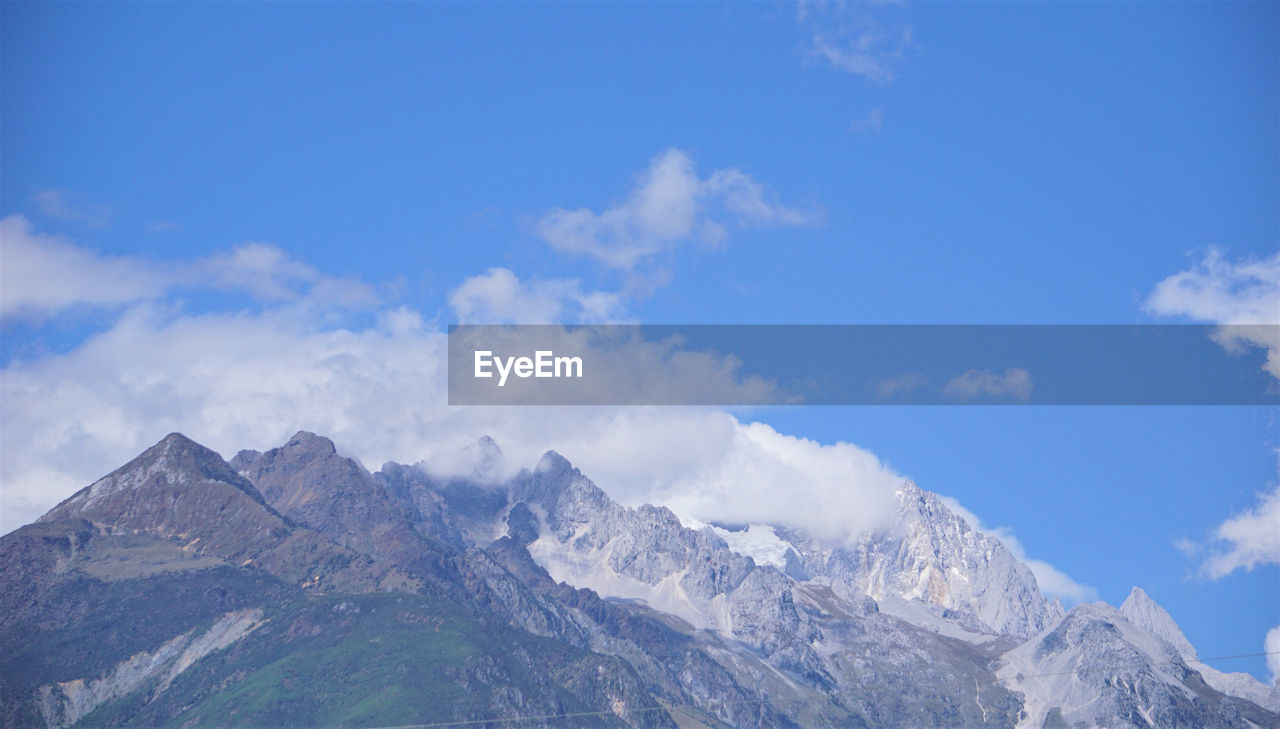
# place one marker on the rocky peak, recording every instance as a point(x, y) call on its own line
point(177, 454)
point(910, 490)
point(553, 463)
point(565, 495)
point(174, 463)
point(488, 456)
point(1140, 610)
point(244, 459)
point(305, 443)
point(305, 469)
point(180, 490)
point(915, 503)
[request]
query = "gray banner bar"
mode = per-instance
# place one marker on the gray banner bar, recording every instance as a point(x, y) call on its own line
point(864, 365)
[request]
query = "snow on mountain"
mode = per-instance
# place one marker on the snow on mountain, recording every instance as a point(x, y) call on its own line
point(758, 541)
point(931, 554)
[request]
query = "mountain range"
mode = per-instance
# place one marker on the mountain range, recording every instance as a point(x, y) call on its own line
point(294, 588)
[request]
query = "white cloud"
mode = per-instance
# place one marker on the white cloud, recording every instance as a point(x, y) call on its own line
point(1244, 295)
point(753, 474)
point(1246, 540)
point(868, 39)
point(668, 206)
point(1052, 581)
point(498, 296)
point(1271, 645)
point(42, 275)
point(1014, 383)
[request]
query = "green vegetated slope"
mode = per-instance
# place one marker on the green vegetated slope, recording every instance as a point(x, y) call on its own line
point(372, 660)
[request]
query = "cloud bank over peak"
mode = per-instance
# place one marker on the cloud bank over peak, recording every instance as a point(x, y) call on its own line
point(248, 376)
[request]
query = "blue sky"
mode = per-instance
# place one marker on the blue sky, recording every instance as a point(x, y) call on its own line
point(957, 163)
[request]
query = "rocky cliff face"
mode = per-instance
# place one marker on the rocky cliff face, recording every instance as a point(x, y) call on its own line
point(293, 587)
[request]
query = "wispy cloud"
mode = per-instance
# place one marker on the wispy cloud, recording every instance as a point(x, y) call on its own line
point(873, 122)
point(669, 205)
point(1014, 383)
point(44, 275)
point(55, 205)
point(891, 387)
point(1244, 294)
point(868, 39)
point(268, 273)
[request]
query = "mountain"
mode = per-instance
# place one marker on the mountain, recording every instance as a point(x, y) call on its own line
point(292, 587)
point(1140, 610)
point(170, 593)
point(1097, 668)
point(184, 493)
